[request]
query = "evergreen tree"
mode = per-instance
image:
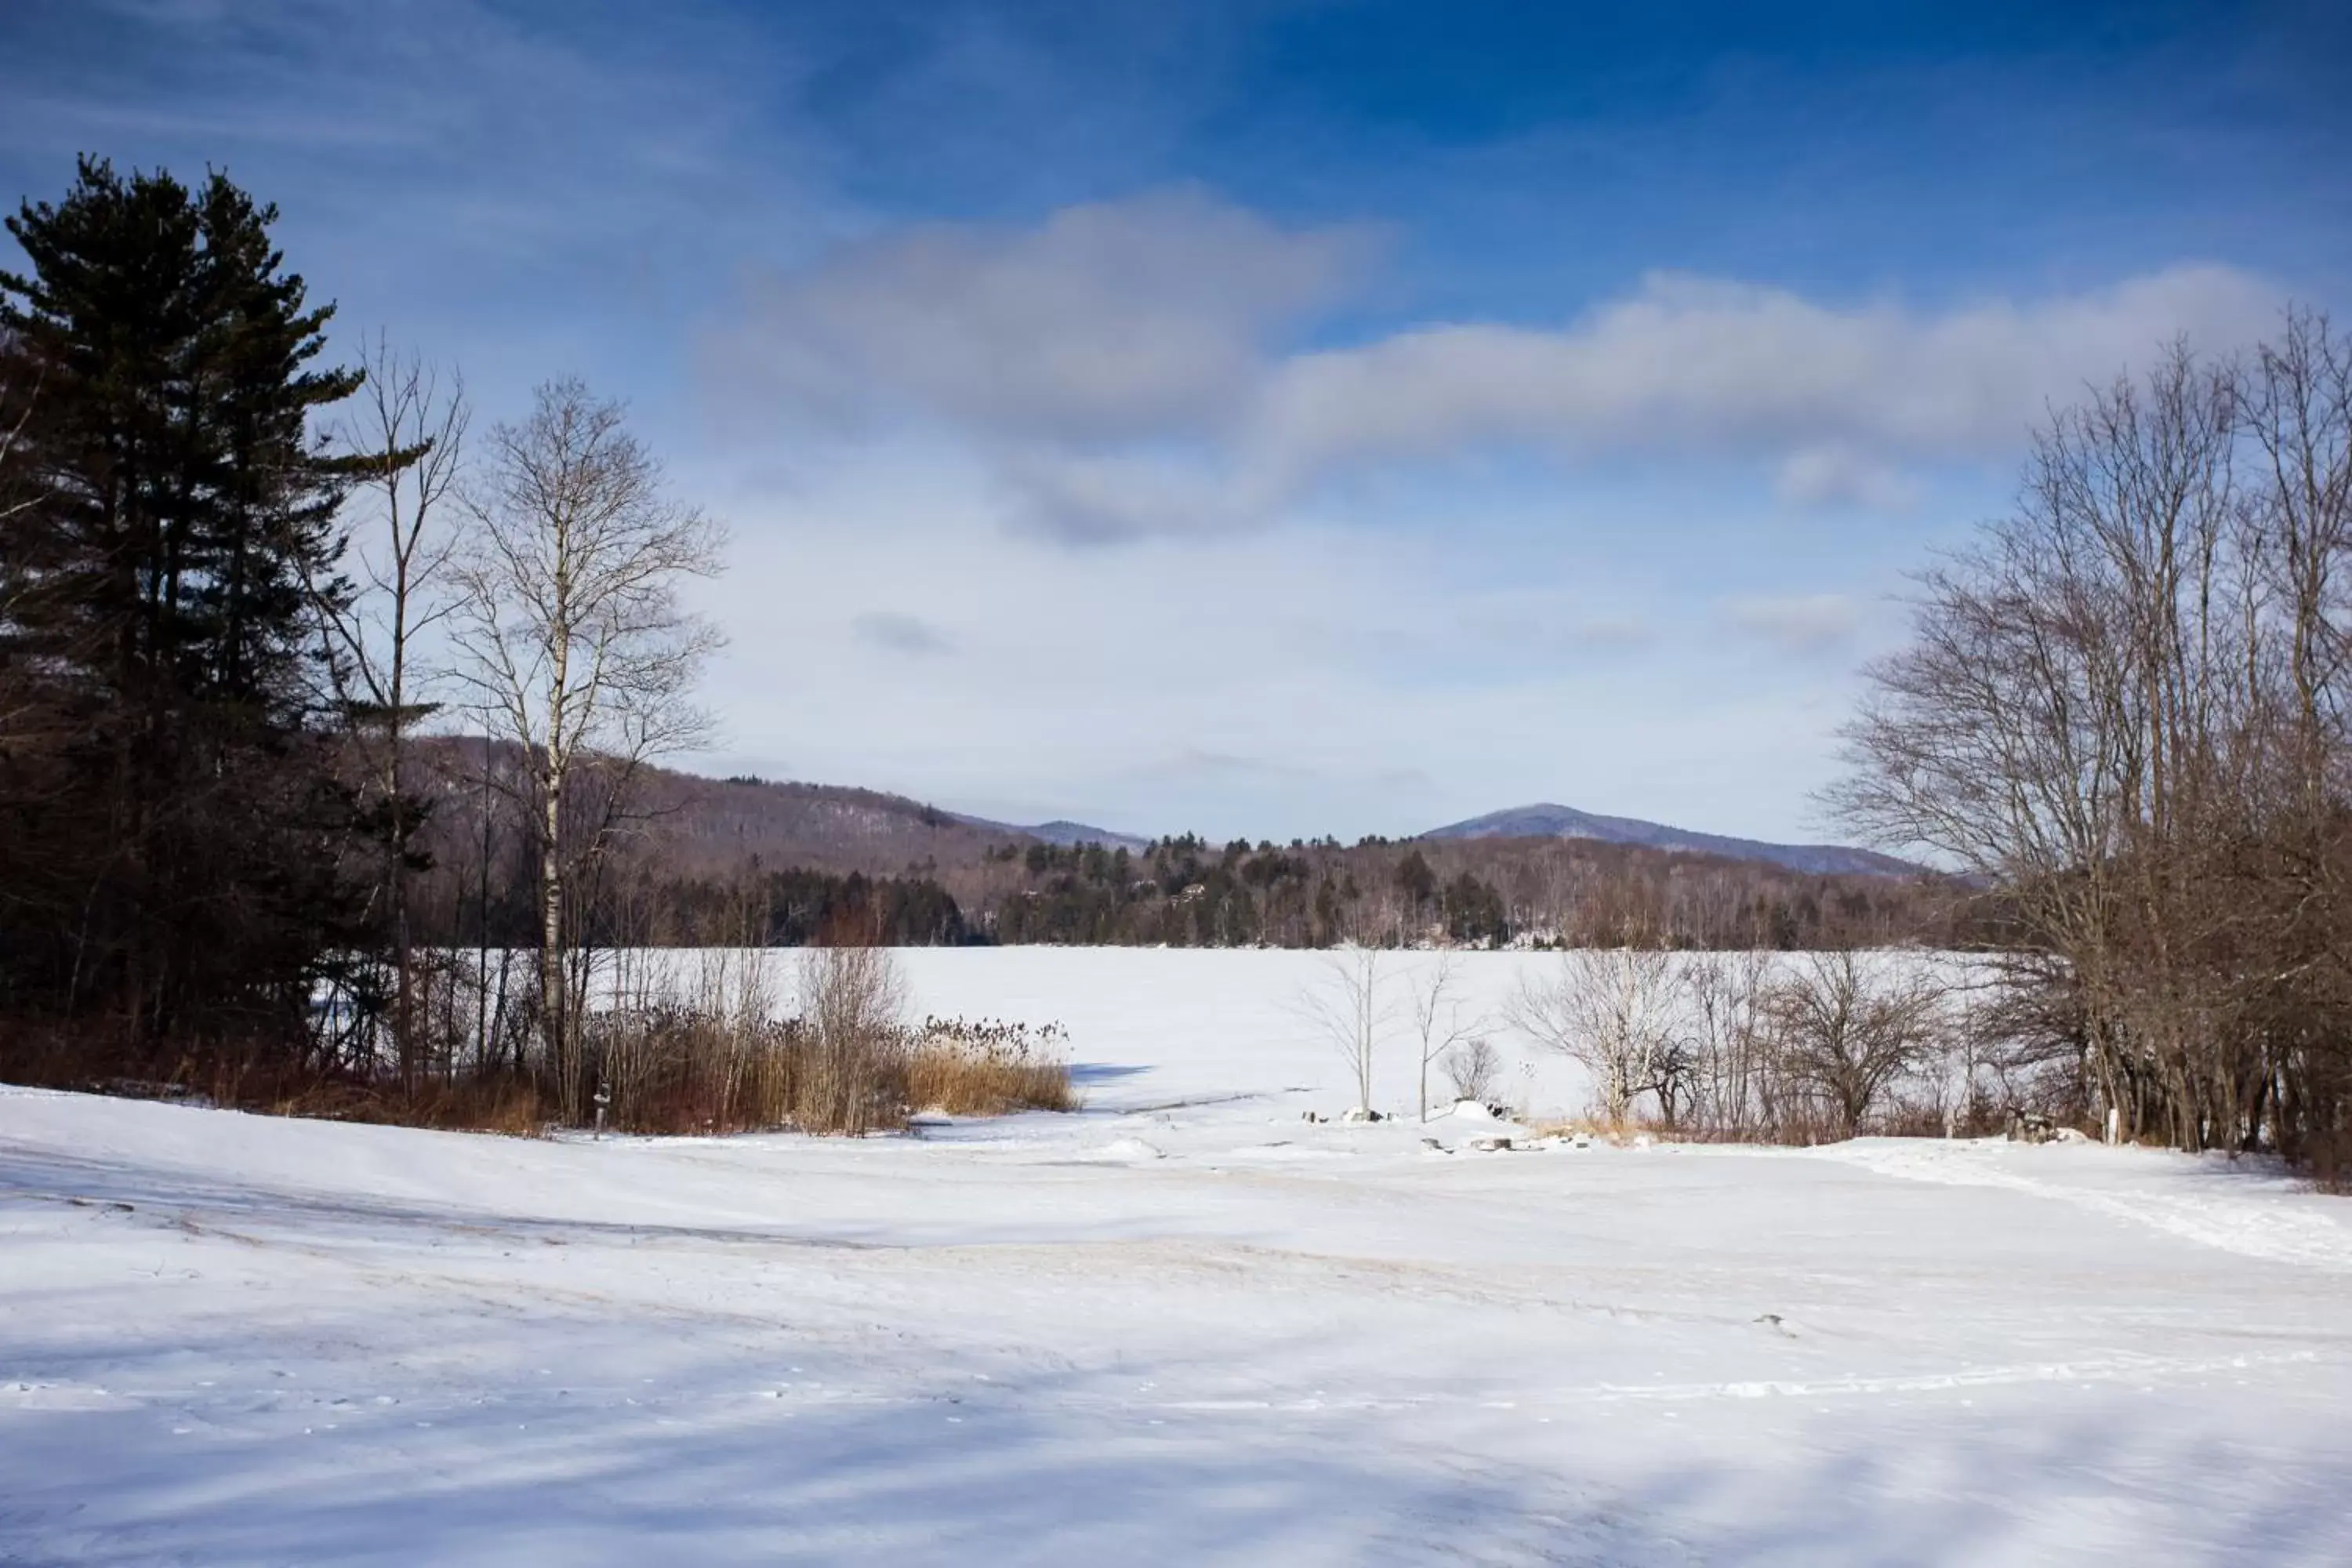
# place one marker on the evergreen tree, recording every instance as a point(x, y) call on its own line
point(1473, 911)
point(1416, 881)
point(170, 828)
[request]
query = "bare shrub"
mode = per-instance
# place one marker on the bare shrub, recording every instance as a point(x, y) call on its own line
point(708, 1053)
point(989, 1069)
point(1612, 1011)
point(502, 1104)
point(1474, 1069)
point(1845, 1037)
point(1731, 1089)
point(703, 1053)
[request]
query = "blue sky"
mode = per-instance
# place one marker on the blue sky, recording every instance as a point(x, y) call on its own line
point(1272, 419)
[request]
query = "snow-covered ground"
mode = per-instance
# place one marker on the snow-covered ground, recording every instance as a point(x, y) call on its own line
point(1184, 1326)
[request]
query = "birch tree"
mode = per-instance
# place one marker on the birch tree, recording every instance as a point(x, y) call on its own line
point(17, 390)
point(1352, 1011)
point(1437, 1017)
point(1611, 1010)
point(577, 643)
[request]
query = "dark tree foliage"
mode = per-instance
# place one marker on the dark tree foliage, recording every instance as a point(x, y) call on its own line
point(1416, 881)
point(168, 820)
point(1181, 892)
point(803, 906)
point(1184, 893)
point(1473, 911)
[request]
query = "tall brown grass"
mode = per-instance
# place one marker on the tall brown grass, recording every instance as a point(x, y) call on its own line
point(714, 1056)
point(715, 1048)
point(989, 1069)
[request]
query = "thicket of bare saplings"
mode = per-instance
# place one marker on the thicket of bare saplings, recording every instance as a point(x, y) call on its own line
point(1763, 1047)
point(2124, 710)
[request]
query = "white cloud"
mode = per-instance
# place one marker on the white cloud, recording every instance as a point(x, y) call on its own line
point(1142, 320)
point(1128, 369)
point(1083, 497)
point(1612, 632)
point(1694, 367)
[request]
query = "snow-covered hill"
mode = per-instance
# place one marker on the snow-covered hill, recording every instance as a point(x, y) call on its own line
point(1185, 1326)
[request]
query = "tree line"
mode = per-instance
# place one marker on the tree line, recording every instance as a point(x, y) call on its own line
point(1175, 891)
point(1182, 891)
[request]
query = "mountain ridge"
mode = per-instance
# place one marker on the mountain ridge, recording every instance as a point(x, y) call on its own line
point(1547, 819)
point(716, 821)
point(1061, 831)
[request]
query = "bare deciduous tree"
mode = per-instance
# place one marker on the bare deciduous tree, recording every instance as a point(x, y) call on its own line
point(1612, 1010)
point(2124, 713)
point(1352, 1011)
point(1848, 1035)
point(407, 451)
point(576, 642)
point(2297, 409)
point(1729, 1088)
point(1437, 1017)
point(16, 414)
point(19, 390)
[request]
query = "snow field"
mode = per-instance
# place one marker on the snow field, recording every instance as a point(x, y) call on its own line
point(1182, 1326)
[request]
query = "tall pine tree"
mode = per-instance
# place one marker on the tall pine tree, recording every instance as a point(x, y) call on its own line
point(169, 825)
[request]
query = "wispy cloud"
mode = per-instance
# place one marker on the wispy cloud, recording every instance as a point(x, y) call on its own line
point(1838, 476)
point(900, 633)
point(1611, 632)
point(533, 199)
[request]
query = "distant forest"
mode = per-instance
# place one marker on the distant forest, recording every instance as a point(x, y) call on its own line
point(741, 861)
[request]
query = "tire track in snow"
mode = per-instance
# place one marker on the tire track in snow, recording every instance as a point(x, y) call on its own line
point(1547, 1401)
point(2101, 1369)
point(2250, 1227)
point(2104, 1368)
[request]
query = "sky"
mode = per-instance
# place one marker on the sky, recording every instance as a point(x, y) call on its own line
point(1271, 420)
